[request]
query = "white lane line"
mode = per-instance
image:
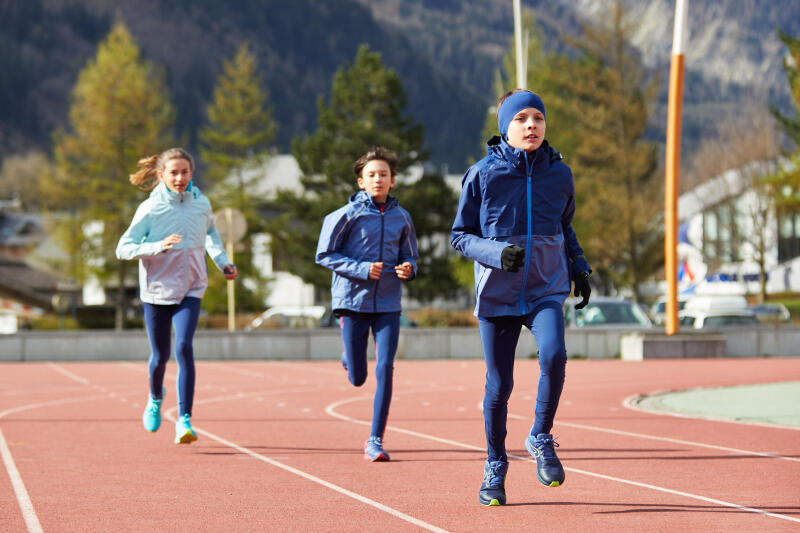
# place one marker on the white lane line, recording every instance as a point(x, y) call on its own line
point(23, 500)
point(330, 409)
point(667, 439)
point(311, 477)
point(69, 374)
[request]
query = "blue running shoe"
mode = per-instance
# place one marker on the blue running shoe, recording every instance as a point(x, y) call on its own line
point(151, 418)
point(548, 468)
point(184, 434)
point(493, 488)
point(373, 450)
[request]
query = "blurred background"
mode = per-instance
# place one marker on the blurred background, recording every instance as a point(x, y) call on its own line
point(277, 99)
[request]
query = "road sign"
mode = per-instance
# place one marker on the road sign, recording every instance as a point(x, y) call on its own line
point(231, 224)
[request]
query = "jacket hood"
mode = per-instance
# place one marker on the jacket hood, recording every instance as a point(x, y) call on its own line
point(498, 147)
point(363, 197)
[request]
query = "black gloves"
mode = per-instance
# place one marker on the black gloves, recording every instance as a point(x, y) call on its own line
point(582, 288)
point(512, 258)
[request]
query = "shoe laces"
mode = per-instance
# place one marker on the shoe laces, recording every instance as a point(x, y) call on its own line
point(546, 447)
point(376, 442)
point(184, 420)
point(494, 474)
point(154, 406)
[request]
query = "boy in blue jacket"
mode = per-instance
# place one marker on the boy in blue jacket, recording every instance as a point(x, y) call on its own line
point(371, 246)
point(514, 220)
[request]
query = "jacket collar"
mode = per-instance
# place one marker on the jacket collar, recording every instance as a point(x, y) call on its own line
point(162, 192)
point(498, 147)
point(363, 197)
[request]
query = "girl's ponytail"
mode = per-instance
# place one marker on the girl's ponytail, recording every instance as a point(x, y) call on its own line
point(146, 177)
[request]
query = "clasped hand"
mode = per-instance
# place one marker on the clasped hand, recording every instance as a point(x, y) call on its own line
point(403, 270)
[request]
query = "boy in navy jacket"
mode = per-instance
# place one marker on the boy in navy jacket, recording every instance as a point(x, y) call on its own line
point(514, 220)
point(371, 246)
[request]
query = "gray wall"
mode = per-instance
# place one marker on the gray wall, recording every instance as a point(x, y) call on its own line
point(325, 343)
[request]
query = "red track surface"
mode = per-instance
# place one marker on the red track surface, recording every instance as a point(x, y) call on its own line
point(280, 450)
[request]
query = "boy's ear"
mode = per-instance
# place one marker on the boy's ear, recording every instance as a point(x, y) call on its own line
point(360, 182)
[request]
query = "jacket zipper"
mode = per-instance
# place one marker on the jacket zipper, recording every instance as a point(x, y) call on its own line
point(380, 258)
point(185, 253)
point(529, 200)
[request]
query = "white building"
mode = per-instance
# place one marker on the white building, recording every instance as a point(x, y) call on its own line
point(723, 222)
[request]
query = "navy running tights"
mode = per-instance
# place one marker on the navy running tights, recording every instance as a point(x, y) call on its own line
point(159, 321)
point(499, 336)
point(355, 334)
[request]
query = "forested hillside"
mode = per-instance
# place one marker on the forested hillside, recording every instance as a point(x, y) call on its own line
point(446, 52)
point(299, 46)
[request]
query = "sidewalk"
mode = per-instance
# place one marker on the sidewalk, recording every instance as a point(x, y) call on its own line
point(773, 403)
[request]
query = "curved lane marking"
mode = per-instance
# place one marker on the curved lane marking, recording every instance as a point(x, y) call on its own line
point(330, 409)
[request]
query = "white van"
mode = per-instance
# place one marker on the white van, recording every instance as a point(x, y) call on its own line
point(702, 312)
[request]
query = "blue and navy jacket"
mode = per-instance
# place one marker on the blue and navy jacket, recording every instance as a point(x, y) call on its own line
point(358, 234)
point(508, 198)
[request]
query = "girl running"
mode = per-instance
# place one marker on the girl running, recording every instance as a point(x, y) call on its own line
point(169, 235)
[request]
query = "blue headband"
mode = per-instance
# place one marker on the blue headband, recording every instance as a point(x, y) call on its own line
point(513, 105)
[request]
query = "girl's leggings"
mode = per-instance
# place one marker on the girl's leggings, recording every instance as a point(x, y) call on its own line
point(499, 336)
point(159, 321)
point(355, 334)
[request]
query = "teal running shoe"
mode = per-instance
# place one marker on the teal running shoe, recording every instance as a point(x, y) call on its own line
point(184, 434)
point(548, 468)
point(151, 418)
point(373, 450)
point(493, 487)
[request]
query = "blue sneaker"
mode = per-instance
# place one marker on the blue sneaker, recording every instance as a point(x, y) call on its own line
point(184, 434)
point(493, 487)
point(151, 418)
point(548, 468)
point(373, 450)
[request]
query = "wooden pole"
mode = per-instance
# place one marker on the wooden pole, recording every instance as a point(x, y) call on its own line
point(673, 165)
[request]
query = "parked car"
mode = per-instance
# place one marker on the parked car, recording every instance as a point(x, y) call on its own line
point(301, 317)
point(606, 312)
point(771, 313)
point(658, 311)
point(703, 312)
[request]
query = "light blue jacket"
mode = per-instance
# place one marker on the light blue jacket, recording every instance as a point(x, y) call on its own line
point(168, 276)
point(513, 198)
point(358, 234)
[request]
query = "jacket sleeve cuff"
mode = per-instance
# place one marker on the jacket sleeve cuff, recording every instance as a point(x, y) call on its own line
point(579, 264)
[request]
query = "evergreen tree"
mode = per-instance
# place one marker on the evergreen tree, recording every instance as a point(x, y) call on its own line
point(367, 108)
point(234, 145)
point(120, 112)
point(619, 192)
point(791, 66)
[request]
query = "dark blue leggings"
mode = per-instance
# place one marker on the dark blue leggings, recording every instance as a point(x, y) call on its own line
point(355, 334)
point(159, 321)
point(499, 336)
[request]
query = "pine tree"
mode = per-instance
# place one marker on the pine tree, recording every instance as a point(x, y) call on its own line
point(120, 112)
point(618, 189)
point(237, 140)
point(367, 108)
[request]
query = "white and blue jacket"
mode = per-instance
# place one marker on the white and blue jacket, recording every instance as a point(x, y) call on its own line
point(358, 234)
point(168, 276)
point(508, 198)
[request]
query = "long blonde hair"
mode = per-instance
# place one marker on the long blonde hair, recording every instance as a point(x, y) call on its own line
point(146, 177)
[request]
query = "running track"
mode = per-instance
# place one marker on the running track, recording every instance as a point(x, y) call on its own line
point(280, 450)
